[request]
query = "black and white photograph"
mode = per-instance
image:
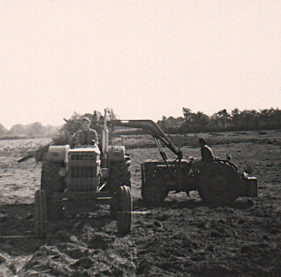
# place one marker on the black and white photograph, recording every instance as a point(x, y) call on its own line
point(140, 138)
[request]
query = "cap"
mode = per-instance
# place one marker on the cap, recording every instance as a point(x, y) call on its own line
point(86, 119)
point(202, 140)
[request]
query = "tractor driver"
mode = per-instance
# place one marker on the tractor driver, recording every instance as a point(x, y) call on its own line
point(206, 154)
point(85, 136)
point(206, 151)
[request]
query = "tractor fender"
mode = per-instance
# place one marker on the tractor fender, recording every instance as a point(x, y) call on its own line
point(57, 153)
point(116, 153)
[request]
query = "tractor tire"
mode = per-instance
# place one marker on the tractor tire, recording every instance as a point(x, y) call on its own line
point(114, 207)
point(40, 216)
point(51, 181)
point(119, 176)
point(218, 182)
point(120, 173)
point(154, 193)
point(124, 212)
point(54, 209)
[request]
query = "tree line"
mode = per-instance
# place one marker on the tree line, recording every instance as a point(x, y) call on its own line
point(190, 122)
point(35, 129)
point(59, 134)
point(222, 120)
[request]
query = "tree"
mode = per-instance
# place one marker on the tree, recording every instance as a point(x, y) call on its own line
point(187, 114)
point(221, 118)
point(195, 122)
point(35, 130)
point(171, 124)
point(236, 118)
point(276, 118)
point(51, 130)
point(18, 129)
point(3, 130)
point(271, 118)
point(200, 121)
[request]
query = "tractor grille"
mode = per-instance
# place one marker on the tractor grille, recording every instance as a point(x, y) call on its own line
point(82, 172)
point(83, 157)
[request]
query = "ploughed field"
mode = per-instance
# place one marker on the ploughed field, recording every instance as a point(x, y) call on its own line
point(184, 237)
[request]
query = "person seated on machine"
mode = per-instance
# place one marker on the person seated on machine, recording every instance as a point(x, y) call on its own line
point(207, 156)
point(85, 136)
point(206, 152)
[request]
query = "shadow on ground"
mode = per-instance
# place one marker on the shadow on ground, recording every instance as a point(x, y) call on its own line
point(17, 231)
point(192, 204)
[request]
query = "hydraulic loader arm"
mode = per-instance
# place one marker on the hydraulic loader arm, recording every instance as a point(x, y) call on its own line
point(153, 129)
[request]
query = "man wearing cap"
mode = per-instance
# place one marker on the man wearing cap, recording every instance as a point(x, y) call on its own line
point(206, 151)
point(206, 154)
point(85, 136)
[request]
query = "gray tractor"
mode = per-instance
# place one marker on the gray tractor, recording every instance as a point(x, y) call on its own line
point(217, 182)
point(82, 178)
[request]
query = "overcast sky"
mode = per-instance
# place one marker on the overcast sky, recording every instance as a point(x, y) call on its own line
point(143, 58)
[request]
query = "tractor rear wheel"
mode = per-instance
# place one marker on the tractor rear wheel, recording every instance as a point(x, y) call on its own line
point(154, 192)
point(124, 212)
point(40, 214)
point(52, 182)
point(218, 182)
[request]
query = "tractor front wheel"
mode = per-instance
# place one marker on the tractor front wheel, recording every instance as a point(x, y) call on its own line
point(114, 207)
point(40, 214)
point(51, 181)
point(120, 173)
point(124, 212)
point(54, 209)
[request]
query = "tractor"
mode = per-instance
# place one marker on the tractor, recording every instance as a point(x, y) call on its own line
point(82, 178)
point(217, 182)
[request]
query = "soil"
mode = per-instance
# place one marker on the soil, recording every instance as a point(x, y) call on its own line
point(184, 237)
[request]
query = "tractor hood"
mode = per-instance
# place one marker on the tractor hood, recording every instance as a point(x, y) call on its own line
point(86, 149)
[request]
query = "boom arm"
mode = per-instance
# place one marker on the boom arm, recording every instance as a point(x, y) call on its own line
point(154, 130)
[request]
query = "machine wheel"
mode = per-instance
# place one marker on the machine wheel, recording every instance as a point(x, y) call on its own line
point(40, 214)
point(124, 212)
point(51, 181)
point(154, 193)
point(218, 182)
point(114, 207)
point(54, 209)
point(120, 173)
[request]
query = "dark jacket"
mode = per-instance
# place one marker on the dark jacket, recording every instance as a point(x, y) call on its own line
point(82, 137)
point(207, 153)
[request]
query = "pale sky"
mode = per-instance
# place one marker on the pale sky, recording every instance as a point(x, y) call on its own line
point(143, 58)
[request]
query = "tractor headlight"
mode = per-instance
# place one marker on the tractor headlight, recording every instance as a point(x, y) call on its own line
point(62, 172)
point(104, 173)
